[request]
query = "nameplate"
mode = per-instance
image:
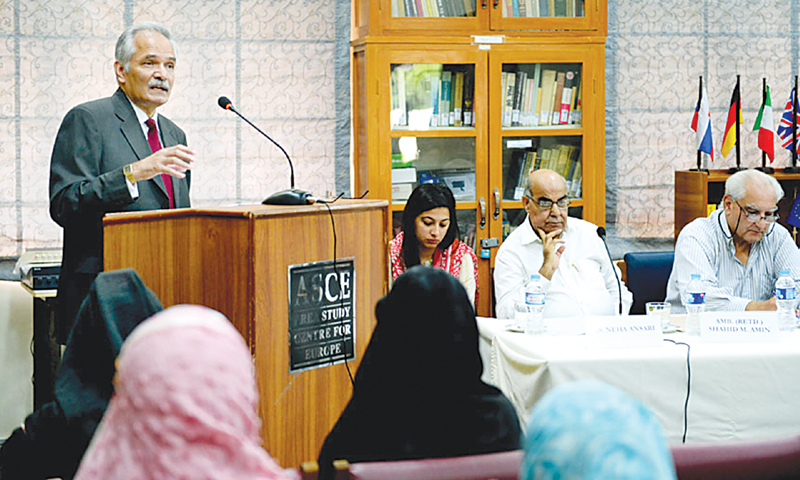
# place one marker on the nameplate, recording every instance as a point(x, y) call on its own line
point(624, 331)
point(739, 327)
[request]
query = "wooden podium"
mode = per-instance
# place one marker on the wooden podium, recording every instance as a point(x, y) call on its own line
point(235, 260)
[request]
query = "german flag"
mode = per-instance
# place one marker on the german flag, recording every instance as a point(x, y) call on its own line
point(729, 139)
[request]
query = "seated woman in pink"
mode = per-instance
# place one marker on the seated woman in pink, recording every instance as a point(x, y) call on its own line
point(430, 237)
point(184, 405)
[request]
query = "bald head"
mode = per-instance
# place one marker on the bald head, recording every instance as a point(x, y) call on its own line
point(542, 187)
point(543, 178)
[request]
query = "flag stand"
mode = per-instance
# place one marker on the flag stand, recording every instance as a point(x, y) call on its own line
point(699, 153)
point(793, 168)
point(764, 168)
point(738, 166)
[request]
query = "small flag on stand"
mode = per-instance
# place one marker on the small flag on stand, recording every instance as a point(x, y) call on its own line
point(701, 124)
point(785, 126)
point(729, 139)
point(765, 126)
point(794, 214)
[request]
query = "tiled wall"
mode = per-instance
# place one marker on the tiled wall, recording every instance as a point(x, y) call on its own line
point(656, 51)
point(284, 63)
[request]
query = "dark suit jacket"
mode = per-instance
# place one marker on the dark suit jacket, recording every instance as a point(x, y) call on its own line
point(95, 141)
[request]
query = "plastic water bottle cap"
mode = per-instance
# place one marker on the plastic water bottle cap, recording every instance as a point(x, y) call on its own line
point(695, 276)
point(785, 272)
point(535, 276)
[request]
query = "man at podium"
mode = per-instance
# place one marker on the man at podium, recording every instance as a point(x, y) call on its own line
point(116, 154)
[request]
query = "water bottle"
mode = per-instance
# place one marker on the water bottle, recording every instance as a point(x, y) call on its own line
point(784, 296)
point(534, 306)
point(695, 301)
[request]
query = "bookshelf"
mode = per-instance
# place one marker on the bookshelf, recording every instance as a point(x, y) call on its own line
point(696, 193)
point(479, 17)
point(476, 112)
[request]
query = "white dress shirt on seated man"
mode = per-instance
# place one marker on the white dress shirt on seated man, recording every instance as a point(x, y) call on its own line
point(577, 274)
point(739, 250)
point(583, 283)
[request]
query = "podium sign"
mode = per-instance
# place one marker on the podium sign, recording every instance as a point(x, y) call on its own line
point(321, 316)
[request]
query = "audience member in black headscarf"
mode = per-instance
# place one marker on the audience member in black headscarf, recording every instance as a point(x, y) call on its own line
point(54, 437)
point(418, 391)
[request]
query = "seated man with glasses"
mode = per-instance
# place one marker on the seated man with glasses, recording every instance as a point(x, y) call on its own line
point(738, 250)
point(577, 275)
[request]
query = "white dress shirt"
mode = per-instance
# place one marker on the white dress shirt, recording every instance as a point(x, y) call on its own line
point(142, 116)
point(583, 284)
point(705, 247)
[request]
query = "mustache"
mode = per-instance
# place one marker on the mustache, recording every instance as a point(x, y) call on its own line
point(156, 82)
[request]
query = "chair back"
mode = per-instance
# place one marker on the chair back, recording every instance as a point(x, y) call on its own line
point(774, 459)
point(647, 276)
point(499, 466)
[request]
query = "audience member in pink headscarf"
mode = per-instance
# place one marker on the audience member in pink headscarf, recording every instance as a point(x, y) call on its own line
point(184, 405)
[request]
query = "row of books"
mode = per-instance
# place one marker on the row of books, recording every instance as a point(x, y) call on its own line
point(434, 8)
point(443, 98)
point(564, 159)
point(544, 8)
point(538, 96)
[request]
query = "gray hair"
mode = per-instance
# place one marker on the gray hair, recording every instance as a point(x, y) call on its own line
point(126, 46)
point(736, 185)
point(528, 192)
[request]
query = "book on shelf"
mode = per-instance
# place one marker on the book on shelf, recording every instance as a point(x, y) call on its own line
point(399, 111)
point(458, 99)
point(515, 167)
point(441, 6)
point(508, 102)
point(560, 78)
point(444, 99)
point(469, 116)
point(519, 86)
point(435, 80)
point(560, 8)
point(566, 98)
point(575, 190)
point(548, 83)
point(527, 168)
point(575, 116)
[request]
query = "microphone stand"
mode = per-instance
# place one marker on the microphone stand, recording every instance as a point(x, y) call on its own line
point(601, 232)
point(292, 196)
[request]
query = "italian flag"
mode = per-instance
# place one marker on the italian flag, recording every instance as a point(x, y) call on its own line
point(766, 129)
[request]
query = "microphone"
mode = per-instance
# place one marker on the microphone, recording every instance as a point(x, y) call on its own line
point(285, 197)
point(601, 232)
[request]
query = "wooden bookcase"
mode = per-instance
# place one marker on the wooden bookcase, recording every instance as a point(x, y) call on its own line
point(695, 191)
point(478, 17)
point(397, 61)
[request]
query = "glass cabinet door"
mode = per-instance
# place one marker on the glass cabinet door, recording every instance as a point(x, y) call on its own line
point(542, 118)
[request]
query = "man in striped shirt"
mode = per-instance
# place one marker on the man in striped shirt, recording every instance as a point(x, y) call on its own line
point(738, 250)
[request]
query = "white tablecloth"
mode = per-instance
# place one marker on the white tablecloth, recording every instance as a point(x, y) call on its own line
point(738, 391)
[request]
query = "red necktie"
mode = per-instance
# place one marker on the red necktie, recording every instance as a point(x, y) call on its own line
point(155, 145)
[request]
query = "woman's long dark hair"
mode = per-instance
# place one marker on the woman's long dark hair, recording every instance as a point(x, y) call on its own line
point(426, 197)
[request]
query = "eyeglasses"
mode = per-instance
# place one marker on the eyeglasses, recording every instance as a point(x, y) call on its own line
point(754, 217)
point(547, 204)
